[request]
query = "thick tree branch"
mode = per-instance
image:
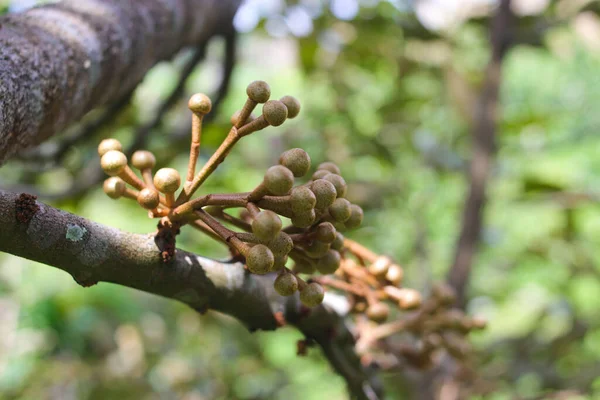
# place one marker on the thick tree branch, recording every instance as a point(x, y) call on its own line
point(484, 147)
point(59, 61)
point(93, 253)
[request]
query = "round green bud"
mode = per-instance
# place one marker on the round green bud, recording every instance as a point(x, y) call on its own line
point(148, 198)
point(339, 183)
point(340, 210)
point(312, 295)
point(324, 192)
point(329, 166)
point(329, 263)
point(143, 159)
point(236, 116)
point(281, 245)
point(338, 243)
point(356, 217)
point(167, 180)
point(378, 312)
point(286, 284)
point(200, 104)
point(304, 219)
point(260, 259)
point(302, 199)
point(109, 144)
point(275, 112)
point(317, 249)
point(259, 91)
point(320, 174)
point(113, 162)
point(280, 261)
point(266, 225)
point(278, 180)
point(114, 187)
point(394, 274)
point(292, 104)
point(296, 160)
point(303, 266)
point(326, 232)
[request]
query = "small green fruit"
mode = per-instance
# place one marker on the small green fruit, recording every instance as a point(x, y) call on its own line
point(339, 183)
point(320, 174)
point(312, 295)
point(356, 217)
point(281, 245)
point(260, 259)
point(303, 266)
point(286, 284)
point(329, 263)
point(340, 210)
point(338, 243)
point(326, 232)
point(329, 166)
point(275, 112)
point(296, 160)
point(259, 91)
point(324, 192)
point(317, 249)
point(279, 180)
point(292, 104)
point(304, 219)
point(266, 225)
point(302, 199)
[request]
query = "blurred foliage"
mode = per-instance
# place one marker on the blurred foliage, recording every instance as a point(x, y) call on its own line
point(393, 106)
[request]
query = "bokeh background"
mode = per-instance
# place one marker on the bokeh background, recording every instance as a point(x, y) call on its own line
point(389, 90)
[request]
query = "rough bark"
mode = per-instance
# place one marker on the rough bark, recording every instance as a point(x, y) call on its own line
point(92, 253)
point(484, 148)
point(59, 61)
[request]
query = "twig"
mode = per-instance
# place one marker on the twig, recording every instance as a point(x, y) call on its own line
point(484, 147)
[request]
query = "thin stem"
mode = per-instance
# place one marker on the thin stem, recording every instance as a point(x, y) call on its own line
point(225, 200)
point(258, 193)
point(218, 213)
point(195, 146)
point(252, 209)
point(341, 285)
point(130, 177)
point(249, 106)
point(131, 193)
point(360, 250)
point(147, 176)
point(254, 126)
point(201, 226)
point(210, 166)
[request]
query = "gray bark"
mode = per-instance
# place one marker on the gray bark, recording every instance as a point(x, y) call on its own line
point(92, 253)
point(59, 61)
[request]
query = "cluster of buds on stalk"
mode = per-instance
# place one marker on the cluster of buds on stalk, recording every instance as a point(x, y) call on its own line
point(317, 209)
point(373, 285)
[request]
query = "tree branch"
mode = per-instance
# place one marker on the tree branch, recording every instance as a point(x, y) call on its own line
point(59, 61)
point(484, 147)
point(92, 253)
